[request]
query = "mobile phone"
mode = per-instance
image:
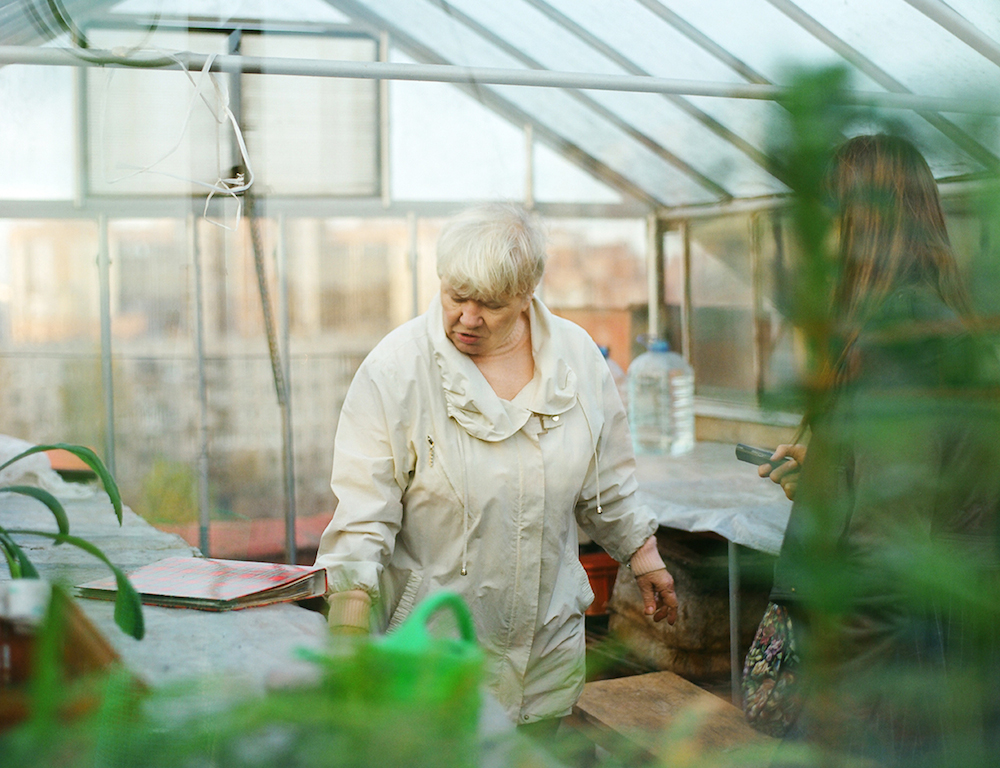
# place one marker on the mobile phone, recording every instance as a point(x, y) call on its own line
point(758, 456)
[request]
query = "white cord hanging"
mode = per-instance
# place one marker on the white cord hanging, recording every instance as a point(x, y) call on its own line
point(231, 187)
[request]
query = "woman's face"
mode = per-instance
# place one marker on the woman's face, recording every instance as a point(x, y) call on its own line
point(476, 327)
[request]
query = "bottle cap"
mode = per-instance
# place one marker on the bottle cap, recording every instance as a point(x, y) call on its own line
point(659, 345)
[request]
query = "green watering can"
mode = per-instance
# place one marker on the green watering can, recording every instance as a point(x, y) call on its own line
point(412, 698)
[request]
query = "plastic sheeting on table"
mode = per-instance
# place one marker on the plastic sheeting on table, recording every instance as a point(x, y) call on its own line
point(708, 489)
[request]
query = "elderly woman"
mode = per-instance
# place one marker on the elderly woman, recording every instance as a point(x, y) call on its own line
point(472, 443)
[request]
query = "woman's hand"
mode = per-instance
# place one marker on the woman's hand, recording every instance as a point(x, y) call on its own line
point(658, 596)
point(655, 582)
point(786, 475)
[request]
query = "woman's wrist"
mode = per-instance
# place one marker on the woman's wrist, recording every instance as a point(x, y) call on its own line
point(646, 559)
point(350, 609)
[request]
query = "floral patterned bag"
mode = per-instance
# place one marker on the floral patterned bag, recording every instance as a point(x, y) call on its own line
point(771, 695)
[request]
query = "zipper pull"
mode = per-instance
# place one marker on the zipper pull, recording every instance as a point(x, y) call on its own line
point(430, 442)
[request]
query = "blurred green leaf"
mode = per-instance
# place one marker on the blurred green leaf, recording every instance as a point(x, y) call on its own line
point(87, 456)
point(46, 498)
point(128, 605)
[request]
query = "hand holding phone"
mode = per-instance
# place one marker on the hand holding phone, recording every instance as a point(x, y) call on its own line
point(758, 456)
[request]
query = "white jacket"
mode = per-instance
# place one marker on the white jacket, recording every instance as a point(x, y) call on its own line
point(435, 474)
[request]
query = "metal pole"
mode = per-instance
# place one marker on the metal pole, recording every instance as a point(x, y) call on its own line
point(654, 273)
point(204, 509)
point(411, 221)
point(736, 668)
point(384, 153)
point(757, 282)
point(107, 376)
point(686, 310)
point(447, 73)
point(529, 166)
point(288, 446)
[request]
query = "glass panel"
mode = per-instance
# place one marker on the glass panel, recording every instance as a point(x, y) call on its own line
point(916, 49)
point(556, 179)
point(36, 133)
point(722, 321)
point(150, 132)
point(596, 277)
point(445, 145)
point(50, 349)
point(312, 135)
point(223, 10)
point(155, 373)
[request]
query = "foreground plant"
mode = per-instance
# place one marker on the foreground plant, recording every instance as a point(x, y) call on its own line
point(128, 606)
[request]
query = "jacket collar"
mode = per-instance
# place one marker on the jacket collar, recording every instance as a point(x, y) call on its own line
point(473, 403)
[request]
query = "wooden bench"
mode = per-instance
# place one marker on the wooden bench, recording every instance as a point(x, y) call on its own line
point(660, 715)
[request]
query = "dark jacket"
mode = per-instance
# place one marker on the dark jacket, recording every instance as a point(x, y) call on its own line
point(902, 479)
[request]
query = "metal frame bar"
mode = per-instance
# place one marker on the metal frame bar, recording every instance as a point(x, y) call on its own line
point(107, 372)
point(948, 18)
point(285, 356)
point(204, 505)
point(151, 207)
point(951, 131)
point(477, 76)
point(654, 274)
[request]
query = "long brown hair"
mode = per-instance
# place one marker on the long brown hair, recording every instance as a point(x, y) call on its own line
point(892, 234)
point(892, 228)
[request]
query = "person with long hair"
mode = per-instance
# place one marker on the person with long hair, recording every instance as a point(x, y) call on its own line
point(894, 520)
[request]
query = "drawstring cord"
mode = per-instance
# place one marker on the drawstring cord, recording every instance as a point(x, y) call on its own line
point(597, 459)
point(465, 504)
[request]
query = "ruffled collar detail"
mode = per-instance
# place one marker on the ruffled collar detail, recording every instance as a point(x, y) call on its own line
point(472, 402)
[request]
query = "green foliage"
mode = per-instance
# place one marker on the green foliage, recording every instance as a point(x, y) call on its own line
point(128, 606)
point(890, 582)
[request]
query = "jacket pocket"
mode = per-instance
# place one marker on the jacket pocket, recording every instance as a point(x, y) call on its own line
point(585, 594)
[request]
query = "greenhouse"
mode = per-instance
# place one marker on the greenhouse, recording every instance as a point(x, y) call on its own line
point(212, 211)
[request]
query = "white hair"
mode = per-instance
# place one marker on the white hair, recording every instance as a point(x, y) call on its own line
point(492, 252)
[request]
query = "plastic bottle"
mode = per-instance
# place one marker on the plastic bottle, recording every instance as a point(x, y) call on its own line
point(661, 401)
point(621, 380)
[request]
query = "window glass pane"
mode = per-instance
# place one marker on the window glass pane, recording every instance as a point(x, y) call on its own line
point(223, 10)
point(722, 322)
point(154, 368)
point(596, 277)
point(50, 353)
point(36, 133)
point(311, 135)
point(156, 132)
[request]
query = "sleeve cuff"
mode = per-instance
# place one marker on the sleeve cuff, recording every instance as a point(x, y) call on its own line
point(350, 609)
point(646, 559)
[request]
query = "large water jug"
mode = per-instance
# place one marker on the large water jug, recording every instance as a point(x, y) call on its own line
point(661, 401)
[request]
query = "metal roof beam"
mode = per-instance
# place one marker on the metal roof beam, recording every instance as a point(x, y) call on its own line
point(472, 76)
point(959, 137)
point(960, 27)
point(592, 104)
